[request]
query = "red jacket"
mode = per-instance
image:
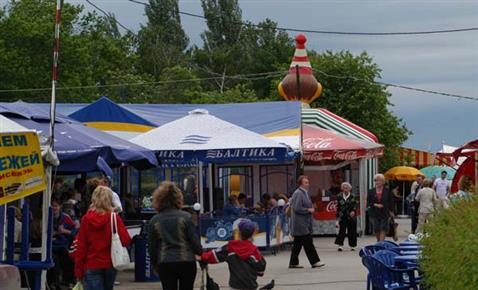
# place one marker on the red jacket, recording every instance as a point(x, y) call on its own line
point(93, 245)
point(245, 263)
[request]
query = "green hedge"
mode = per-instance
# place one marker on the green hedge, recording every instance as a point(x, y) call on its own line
point(451, 249)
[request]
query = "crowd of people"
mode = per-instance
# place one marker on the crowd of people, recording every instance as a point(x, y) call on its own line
point(82, 229)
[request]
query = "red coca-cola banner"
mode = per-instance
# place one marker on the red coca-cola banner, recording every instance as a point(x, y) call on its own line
point(320, 144)
point(327, 210)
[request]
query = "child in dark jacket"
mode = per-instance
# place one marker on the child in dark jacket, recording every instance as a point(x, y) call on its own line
point(243, 258)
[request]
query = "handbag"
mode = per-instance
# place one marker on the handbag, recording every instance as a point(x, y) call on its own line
point(119, 254)
point(78, 286)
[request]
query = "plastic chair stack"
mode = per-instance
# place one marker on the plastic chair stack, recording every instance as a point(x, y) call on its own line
point(384, 272)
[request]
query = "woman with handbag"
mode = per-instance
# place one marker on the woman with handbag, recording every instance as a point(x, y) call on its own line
point(173, 242)
point(99, 229)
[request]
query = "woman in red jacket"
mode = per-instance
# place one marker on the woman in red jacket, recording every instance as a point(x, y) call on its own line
point(93, 253)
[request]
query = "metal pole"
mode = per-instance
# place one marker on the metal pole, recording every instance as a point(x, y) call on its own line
point(48, 191)
point(211, 186)
point(201, 187)
point(403, 198)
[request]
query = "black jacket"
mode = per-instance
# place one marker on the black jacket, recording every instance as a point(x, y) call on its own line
point(172, 238)
point(244, 260)
point(387, 201)
point(346, 206)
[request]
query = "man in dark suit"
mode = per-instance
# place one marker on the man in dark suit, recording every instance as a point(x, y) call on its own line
point(379, 205)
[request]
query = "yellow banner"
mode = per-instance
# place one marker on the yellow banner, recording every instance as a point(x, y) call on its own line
point(21, 166)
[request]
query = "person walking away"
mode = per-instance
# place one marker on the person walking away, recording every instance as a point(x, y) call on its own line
point(93, 262)
point(414, 203)
point(301, 225)
point(243, 258)
point(347, 218)
point(442, 188)
point(379, 205)
point(427, 198)
point(173, 242)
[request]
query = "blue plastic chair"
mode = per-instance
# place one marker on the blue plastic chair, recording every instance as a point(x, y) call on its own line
point(370, 250)
point(34, 267)
point(387, 244)
point(384, 277)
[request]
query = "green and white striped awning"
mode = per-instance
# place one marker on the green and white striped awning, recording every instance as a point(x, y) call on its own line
point(325, 119)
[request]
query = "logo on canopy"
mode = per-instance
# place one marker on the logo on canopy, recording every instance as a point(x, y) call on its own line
point(317, 143)
point(195, 139)
point(240, 153)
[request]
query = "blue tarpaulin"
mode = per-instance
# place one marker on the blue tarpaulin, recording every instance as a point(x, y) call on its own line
point(78, 146)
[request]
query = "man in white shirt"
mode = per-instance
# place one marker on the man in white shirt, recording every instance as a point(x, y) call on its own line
point(116, 201)
point(442, 188)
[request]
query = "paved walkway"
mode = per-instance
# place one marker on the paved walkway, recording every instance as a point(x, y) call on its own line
point(343, 270)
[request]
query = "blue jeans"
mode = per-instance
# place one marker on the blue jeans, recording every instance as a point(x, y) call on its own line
point(100, 279)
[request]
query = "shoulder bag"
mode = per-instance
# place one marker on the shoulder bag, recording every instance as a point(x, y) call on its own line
point(119, 254)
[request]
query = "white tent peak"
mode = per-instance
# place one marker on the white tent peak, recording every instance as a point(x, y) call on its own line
point(199, 112)
point(200, 130)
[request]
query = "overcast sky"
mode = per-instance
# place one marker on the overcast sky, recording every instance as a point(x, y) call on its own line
point(440, 62)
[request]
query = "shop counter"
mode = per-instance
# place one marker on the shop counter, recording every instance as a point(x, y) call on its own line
point(273, 229)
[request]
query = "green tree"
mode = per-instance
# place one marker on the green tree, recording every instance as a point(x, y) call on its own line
point(350, 91)
point(162, 42)
point(92, 51)
point(237, 94)
point(178, 85)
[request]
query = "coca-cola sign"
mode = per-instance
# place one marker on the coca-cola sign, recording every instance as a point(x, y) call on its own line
point(317, 143)
point(331, 206)
point(315, 156)
point(345, 155)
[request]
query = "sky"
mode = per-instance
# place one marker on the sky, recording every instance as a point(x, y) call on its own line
point(439, 62)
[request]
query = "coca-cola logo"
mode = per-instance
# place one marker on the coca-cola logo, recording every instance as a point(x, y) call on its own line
point(345, 155)
point(317, 143)
point(332, 206)
point(315, 156)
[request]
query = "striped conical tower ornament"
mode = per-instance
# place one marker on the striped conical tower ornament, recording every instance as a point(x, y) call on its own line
point(300, 84)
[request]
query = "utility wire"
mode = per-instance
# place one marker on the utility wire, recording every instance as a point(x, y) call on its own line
point(251, 77)
point(399, 86)
point(335, 32)
point(109, 16)
point(247, 77)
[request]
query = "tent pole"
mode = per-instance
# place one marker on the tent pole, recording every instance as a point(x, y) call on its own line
point(46, 204)
point(201, 187)
point(403, 198)
point(210, 186)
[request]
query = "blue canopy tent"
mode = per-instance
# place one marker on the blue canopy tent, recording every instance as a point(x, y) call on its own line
point(279, 121)
point(79, 147)
point(108, 116)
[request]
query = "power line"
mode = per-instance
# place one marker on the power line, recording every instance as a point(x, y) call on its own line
point(246, 77)
point(109, 16)
point(399, 86)
point(250, 77)
point(335, 32)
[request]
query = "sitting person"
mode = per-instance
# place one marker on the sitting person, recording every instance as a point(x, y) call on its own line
point(232, 207)
point(264, 204)
point(244, 259)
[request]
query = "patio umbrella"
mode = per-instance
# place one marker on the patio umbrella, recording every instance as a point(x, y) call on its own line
point(403, 173)
point(436, 170)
